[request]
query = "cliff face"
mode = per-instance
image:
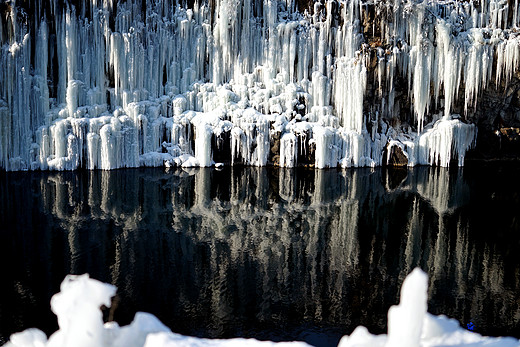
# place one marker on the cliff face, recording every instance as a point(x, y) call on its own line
point(110, 84)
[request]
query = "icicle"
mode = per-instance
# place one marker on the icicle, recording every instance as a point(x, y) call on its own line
point(448, 139)
point(288, 150)
point(204, 132)
point(349, 87)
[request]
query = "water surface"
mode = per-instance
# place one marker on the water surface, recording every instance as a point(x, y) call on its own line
point(265, 253)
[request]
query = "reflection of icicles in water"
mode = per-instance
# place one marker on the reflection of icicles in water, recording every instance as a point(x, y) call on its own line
point(445, 191)
point(322, 235)
point(413, 241)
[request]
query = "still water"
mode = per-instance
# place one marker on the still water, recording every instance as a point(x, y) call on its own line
point(265, 253)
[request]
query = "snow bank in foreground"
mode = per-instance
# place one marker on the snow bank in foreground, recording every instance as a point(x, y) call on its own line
point(81, 324)
point(410, 325)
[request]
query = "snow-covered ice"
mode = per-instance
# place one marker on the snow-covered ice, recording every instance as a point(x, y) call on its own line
point(80, 320)
point(410, 325)
point(81, 324)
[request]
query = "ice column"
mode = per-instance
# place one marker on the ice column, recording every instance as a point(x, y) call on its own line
point(406, 319)
point(349, 87)
point(203, 132)
point(81, 297)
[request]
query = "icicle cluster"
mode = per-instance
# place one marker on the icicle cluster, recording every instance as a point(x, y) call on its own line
point(120, 84)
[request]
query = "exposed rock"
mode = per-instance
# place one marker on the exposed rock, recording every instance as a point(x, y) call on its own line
point(394, 156)
point(274, 157)
point(510, 134)
point(221, 146)
point(275, 160)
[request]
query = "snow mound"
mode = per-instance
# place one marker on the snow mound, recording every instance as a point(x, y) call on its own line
point(80, 319)
point(81, 324)
point(410, 325)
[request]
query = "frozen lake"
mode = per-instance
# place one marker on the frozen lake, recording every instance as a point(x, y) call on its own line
point(267, 253)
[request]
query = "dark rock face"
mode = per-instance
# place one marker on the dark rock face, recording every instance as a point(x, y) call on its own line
point(509, 142)
point(274, 157)
point(221, 146)
point(306, 150)
point(396, 157)
point(497, 116)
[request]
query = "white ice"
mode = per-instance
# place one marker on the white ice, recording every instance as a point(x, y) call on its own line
point(161, 94)
point(410, 325)
point(81, 324)
point(78, 307)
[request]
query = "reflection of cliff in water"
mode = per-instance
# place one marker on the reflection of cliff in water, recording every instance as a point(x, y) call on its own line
point(264, 253)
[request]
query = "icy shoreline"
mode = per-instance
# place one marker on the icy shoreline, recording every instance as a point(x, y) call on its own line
point(81, 324)
point(116, 143)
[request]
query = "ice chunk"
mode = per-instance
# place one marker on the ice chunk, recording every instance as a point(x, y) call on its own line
point(409, 324)
point(360, 337)
point(405, 320)
point(135, 334)
point(81, 323)
point(176, 340)
point(28, 338)
point(78, 309)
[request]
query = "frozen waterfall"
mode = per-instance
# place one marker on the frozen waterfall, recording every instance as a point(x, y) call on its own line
point(112, 84)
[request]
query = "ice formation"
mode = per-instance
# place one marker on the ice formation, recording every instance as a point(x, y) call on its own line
point(81, 324)
point(114, 84)
point(410, 325)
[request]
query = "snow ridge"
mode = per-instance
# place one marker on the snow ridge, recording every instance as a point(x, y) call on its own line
point(81, 324)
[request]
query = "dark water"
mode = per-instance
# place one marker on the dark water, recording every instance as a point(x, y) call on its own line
point(265, 253)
